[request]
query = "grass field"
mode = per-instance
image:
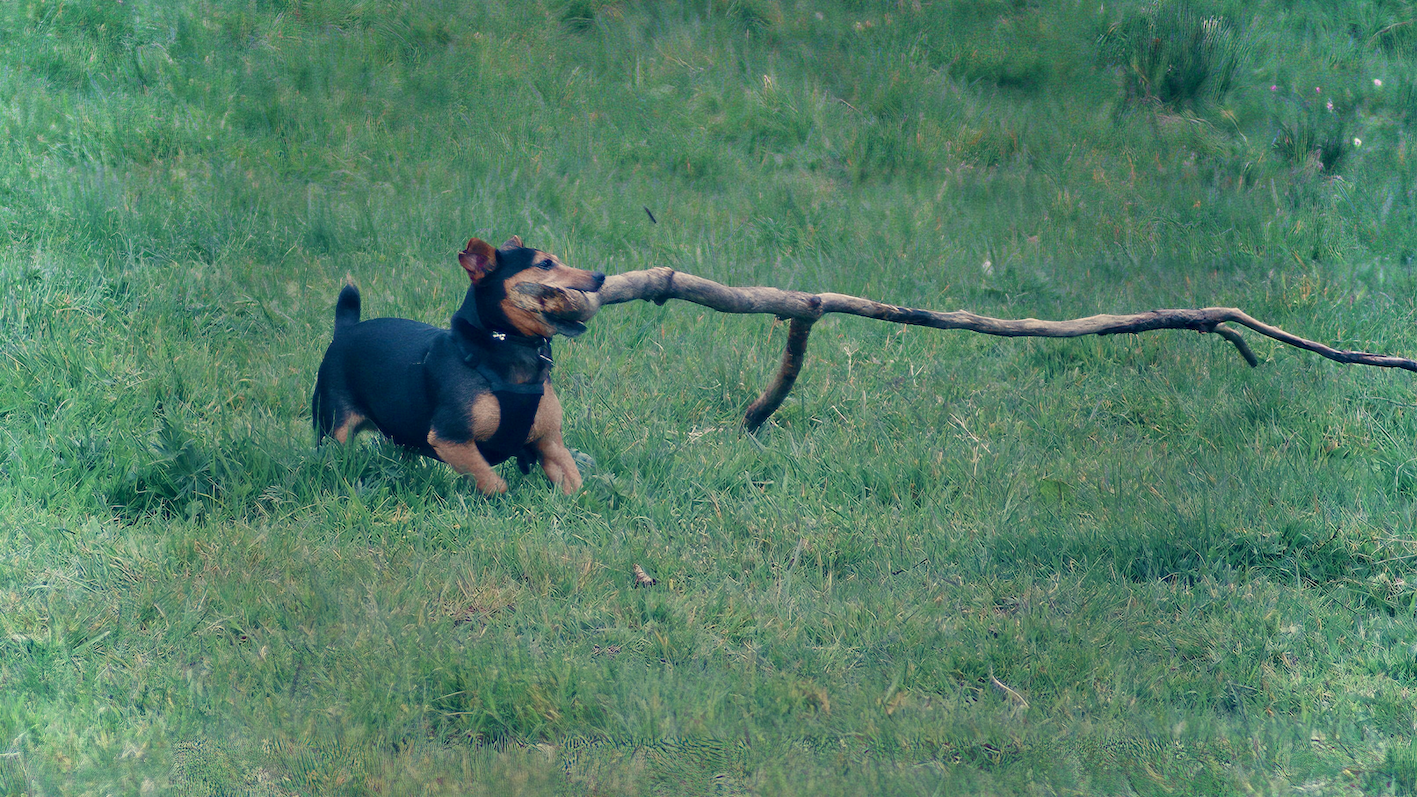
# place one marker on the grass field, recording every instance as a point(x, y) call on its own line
point(950, 564)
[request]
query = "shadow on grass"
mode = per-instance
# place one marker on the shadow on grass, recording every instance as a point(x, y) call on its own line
point(184, 473)
point(1351, 561)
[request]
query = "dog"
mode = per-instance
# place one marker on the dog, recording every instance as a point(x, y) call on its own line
point(472, 395)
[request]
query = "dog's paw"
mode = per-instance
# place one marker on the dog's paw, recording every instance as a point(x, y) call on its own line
point(491, 485)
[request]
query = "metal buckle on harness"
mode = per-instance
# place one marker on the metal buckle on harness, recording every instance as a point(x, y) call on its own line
point(499, 336)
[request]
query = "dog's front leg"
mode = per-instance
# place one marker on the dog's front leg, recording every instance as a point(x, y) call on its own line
point(466, 459)
point(551, 450)
point(558, 464)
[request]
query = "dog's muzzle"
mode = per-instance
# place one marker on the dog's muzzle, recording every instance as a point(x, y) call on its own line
point(566, 309)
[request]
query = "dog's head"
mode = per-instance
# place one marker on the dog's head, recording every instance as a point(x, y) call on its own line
point(527, 290)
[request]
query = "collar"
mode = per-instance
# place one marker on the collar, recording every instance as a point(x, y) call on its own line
point(467, 323)
point(497, 336)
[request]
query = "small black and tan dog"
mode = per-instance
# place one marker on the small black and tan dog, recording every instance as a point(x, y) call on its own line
point(472, 395)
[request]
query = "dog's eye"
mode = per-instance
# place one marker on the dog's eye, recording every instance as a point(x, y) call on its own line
point(546, 265)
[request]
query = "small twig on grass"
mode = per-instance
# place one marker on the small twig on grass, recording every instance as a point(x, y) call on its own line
point(659, 285)
point(912, 567)
point(642, 579)
point(1013, 696)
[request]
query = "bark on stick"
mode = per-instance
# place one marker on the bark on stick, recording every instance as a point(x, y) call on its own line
point(659, 285)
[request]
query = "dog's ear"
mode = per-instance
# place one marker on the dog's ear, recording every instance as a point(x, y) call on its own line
point(515, 242)
point(479, 259)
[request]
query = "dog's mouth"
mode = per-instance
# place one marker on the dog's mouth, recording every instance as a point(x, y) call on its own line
point(566, 327)
point(565, 309)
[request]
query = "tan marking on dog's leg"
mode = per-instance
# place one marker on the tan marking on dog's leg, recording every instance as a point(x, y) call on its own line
point(545, 436)
point(352, 425)
point(466, 459)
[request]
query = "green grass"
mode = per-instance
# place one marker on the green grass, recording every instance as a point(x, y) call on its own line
point(950, 564)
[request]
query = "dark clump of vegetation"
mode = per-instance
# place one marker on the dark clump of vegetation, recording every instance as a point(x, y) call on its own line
point(1318, 138)
point(579, 15)
point(1173, 55)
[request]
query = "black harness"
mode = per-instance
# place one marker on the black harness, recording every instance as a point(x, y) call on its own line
point(517, 402)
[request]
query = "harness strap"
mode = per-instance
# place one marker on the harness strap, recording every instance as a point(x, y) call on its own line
point(518, 402)
point(518, 405)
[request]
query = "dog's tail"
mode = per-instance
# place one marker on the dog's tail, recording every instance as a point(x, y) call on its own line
point(347, 308)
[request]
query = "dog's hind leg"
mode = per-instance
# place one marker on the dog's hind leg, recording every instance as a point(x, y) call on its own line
point(334, 418)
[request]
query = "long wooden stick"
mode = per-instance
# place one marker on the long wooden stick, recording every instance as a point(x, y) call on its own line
point(659, 285)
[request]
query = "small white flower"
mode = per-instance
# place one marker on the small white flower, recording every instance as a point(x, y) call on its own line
point(987, 268)
point(1377, 84)
point(1357, 142)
